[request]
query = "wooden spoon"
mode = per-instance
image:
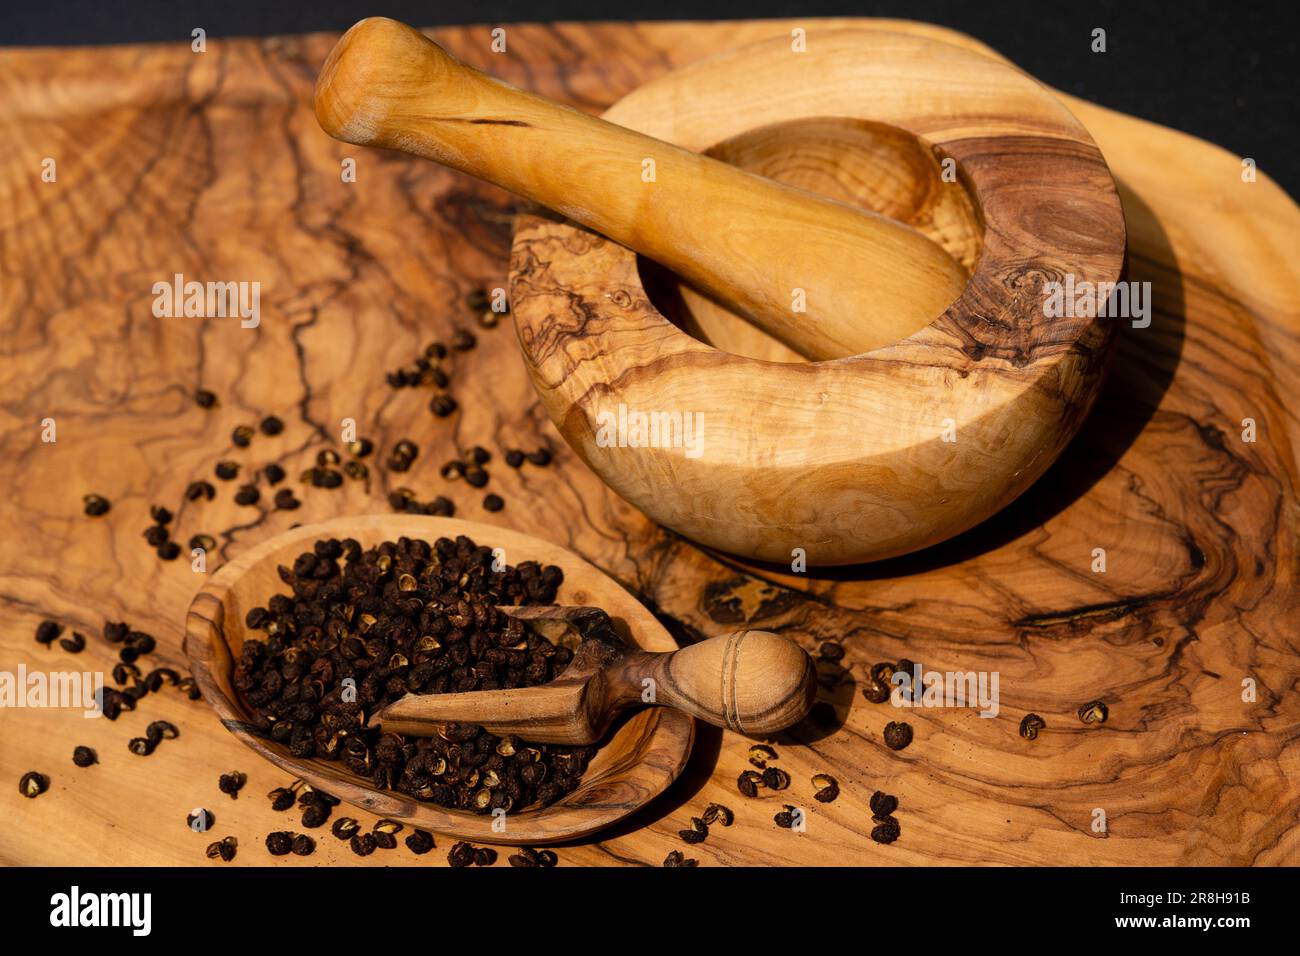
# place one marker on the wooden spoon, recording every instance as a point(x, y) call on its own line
point(824, 278)
point(753, 682)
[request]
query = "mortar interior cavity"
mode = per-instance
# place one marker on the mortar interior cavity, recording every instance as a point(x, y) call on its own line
point(871, 165)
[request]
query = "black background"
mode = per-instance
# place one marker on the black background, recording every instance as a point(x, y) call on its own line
point(1225, 72)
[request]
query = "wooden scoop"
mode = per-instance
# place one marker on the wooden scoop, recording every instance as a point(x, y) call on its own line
point(754, 682)
point(826, 279)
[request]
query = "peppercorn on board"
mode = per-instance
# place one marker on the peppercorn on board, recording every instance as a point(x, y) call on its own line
point(212, 167)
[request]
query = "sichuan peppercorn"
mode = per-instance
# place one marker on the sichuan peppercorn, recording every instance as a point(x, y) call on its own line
point(898, 734)
point(1030, 725)
point(886, 831)
point(231, 783)
point(1094, 712)
point(279, 843)
point(420, 842)
point(47, 632)
point(883, 804)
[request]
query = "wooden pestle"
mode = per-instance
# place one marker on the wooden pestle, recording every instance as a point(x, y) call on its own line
point(753, 682)
point(749, 242)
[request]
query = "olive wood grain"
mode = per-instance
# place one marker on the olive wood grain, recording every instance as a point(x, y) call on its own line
point(865, 280)
point(644, 755)
point(219, 169)
point(752, 682)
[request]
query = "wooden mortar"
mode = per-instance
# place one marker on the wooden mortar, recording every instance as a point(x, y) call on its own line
point(842, 461)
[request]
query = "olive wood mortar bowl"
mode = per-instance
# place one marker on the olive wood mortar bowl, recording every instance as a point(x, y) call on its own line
point(643, 755)
point(867, 456)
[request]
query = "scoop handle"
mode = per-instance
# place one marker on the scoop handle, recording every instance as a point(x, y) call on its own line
point(752, 682)
point(826, 279)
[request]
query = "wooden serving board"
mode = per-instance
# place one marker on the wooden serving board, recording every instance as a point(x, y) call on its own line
point(212, 165)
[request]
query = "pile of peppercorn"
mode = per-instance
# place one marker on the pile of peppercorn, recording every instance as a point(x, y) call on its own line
point(363, 628)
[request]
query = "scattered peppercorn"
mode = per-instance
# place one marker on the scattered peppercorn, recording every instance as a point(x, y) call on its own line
point(717, 813)
point(898, 734)
point(774, 778)
point(748, 783)
point(95, 505)
point(698, 832)
point(227, 470)
point(786, 817)
point(363, 844)
point(493, 502)
point(285, 501)
point(279, 842)
point(271, 425)
point(876, 691)
point(461, 855)
point(886, 831)
point(33, 784)
point(1030, 725)
point(74, 644)
point(47, 632)
point(361, 448)
point(303, 845)
point(200, 820)
point(403, 456)
point(231, 783)
point(463, 340)
point(541, 457)
point(84, 757)
point(828, 788)
point(831, 651)
point(224, 848)
point(442, 405)
point(676, 858)
point(420, 842)
point(345, 828)
point(203, 542)
point(247, 495)
point(883, 804)
point(200, 489)
point(515, 458)
point(204, 398)
point(1094, 712)
point(528, 857)
point(169, 550)
point(273, 473)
